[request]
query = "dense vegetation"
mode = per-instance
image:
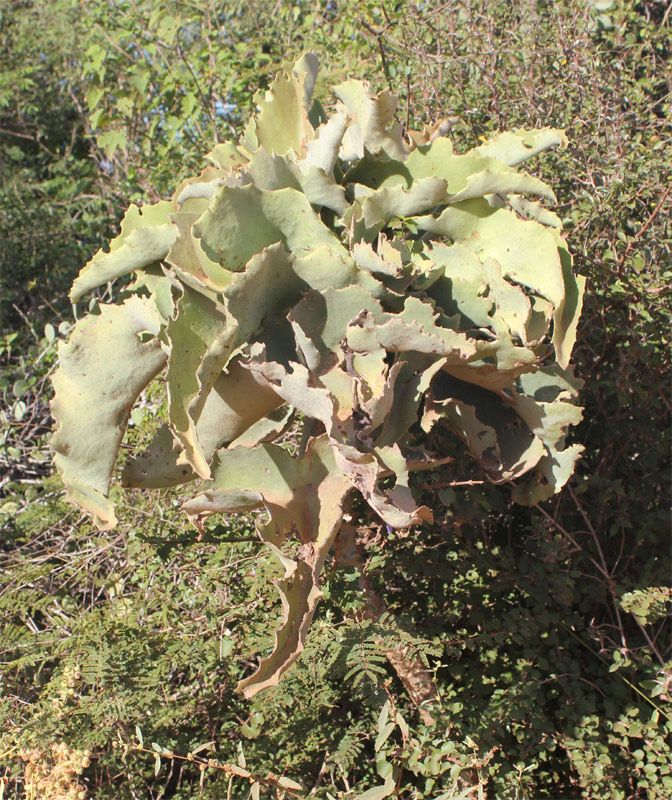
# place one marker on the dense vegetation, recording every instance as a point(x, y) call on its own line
point(545, 631)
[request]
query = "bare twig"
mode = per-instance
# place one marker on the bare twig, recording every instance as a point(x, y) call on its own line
point(644, 227)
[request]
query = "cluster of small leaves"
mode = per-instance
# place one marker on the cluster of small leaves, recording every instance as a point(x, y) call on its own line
point(53, 203)
point(53, 775)
point(27, 358)
point(98, 653)
point(648, 605)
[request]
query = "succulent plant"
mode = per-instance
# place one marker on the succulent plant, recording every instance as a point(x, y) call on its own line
point(332, 269)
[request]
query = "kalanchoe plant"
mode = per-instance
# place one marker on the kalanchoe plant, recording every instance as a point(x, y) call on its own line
point(377, 285)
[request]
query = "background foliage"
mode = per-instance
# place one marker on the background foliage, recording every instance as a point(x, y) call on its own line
point(547, 630)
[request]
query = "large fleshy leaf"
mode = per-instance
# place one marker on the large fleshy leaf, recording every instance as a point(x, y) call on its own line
point(304, 499)
point(102, 370)
point(414, 330)
point(478, 291)
point(549, 383)
point(321, 318)
point(386, 260)
point(322, 151)
point(324, 269)
point(395, 505)
point(414, 379)
point(497, 364)
point(201, 340)
point(515, 147)
point(530, 209)
point(146, 236)
point(463, 178)
point(207, 332)
point(526, 251)
point(493, 431)
point(548, 421)
point(552, 473)
point(266, 429)
point(242, 221)
point(227, 156)
point(237, 400)
point(282, 123)
point(373, 129)
point(274, 172)
point(186, 255)
point(567, 313)
point(296, 387)
point(203, 187)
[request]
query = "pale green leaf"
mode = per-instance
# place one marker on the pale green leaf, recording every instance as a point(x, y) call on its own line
point(237, 400)
point(102, 370)
point(526, 251)
point(226, 156)
point(566, 315)
point(494, 433)
point(515, 147)
point(146, 236)
point(282, 122)
point(322, 151)
point(552, 473)
point(373, 129)
point(201, 340)
point(242, 221)
point(302, 496)
point(272, 172)
point(186, 255)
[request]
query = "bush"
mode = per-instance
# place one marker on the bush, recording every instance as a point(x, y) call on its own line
point(542, 627)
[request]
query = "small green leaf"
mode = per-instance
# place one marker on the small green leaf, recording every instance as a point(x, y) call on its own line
point(201, 747)
point(383, 735)
point(225, 647)
point(19, 388)
point(287, 783)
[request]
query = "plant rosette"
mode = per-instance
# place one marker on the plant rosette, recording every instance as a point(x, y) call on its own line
point(327, 265)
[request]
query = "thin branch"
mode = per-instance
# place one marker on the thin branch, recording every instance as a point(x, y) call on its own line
point(644, 228)
point(35, 139)
point(601, 569)
point(228, 769)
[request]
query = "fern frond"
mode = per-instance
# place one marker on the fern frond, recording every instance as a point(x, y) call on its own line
point(348, 752)
point(366, 660)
